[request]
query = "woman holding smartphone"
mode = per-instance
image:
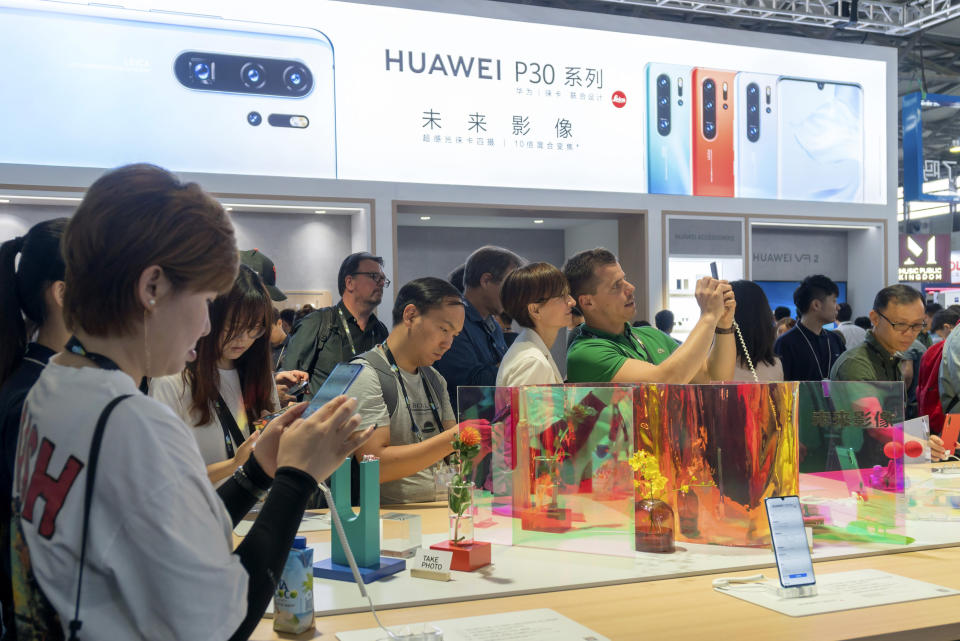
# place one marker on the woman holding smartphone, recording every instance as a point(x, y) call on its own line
point(230, 385)
point(145, 256)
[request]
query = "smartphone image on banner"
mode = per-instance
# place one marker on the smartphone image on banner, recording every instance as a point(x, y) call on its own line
point(339, 381)
point(669, 108)
point(789, 540)
point(820, 155)
point(100, 87)
point(756, 141)
point(713, 132)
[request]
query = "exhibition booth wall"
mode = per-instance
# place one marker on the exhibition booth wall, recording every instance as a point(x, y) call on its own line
point(384, 160)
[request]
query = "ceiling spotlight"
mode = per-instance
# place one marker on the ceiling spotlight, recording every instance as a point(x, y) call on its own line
point(229, 208)
point(319, 211)
point(424, 217)
point(955, 146)
point(538, 221)
point(4, 201)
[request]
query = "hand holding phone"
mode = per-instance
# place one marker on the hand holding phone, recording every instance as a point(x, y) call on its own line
point(299, 387)
point(339, 381)
point(951, 429)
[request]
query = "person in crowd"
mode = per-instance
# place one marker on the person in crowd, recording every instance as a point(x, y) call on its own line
point(643, 322)
point(33, 289)
point(926, 337)
point(576, 320)
point(780, 313)
point(538, 297)
point(755, 320)
point(898, 318)
point(229, 385)
point(506, 324)
point(339, 333)
point(400, 392)
point(664, 321)
point(852, 335)
point(288, 317)
point(943, 323)
point(784, 325)
point(475, 355)
point(607, 349)
point(808, 351)
point(456, 277)
point(862, 321)
point(948, 383)
point(278, 339)
point(159, 535)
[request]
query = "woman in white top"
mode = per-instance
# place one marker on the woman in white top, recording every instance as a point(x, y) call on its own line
point(537, 296)
point(145, 255)
point(759, 332)
point(233, 366)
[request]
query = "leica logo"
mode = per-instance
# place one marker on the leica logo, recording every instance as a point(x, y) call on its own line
point(619, 99)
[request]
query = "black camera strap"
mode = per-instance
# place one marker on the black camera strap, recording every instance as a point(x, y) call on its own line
point(76, 624)
point(231, 431)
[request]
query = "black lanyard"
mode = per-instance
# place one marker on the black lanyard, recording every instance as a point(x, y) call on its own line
point(75, 346)
point(406, 398)
point(346, 328)
point(231, 431)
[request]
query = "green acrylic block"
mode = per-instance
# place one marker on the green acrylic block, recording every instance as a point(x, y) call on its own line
point(362, 529)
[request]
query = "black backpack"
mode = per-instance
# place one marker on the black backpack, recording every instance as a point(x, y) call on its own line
point(388, 386)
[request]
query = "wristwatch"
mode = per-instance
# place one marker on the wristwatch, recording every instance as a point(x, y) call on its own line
point(721, 330)
point(240, 476)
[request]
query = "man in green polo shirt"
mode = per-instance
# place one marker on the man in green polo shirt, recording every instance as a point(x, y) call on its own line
point(607, 349)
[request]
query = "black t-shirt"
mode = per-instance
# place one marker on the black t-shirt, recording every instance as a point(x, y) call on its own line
point(807, 356)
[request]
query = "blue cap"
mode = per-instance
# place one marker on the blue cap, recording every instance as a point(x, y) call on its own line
point(300, 543)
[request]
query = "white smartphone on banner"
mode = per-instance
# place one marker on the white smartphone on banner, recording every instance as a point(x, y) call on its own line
point(789, 540)
point(93, 86)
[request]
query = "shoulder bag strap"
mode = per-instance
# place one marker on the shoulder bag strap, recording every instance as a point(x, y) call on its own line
point(231, 431)
point(76, 624)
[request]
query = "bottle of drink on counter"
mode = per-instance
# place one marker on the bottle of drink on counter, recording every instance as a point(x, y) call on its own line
point(293, 600)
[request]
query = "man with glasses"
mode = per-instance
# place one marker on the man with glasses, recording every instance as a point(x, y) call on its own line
point(337, 334)
point(897, 318)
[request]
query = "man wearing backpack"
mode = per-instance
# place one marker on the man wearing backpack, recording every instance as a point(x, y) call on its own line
point(337, 334)
point(928, 377)
point(406, 398)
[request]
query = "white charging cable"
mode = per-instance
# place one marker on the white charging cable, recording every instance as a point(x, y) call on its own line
point(726, 581)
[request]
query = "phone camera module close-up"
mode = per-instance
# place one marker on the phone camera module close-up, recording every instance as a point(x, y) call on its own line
point(752, 89)
point(662, 80)
point(708, 85)
point(201, 71)
point(296, 78)
point(253, 75)
point(254, 118)
point(709, 128)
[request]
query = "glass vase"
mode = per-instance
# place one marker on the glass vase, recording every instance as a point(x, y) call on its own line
point(654, 526)
point(461, 509)
point(688, 513)
point(546, 483)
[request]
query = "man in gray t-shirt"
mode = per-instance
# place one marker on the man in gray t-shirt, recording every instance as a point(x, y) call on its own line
point(421, 486)
point(427, 314)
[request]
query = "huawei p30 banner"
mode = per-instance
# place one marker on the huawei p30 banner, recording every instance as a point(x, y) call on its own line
point(352, 91)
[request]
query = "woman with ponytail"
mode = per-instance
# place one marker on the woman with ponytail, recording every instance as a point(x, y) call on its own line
point(32, 289)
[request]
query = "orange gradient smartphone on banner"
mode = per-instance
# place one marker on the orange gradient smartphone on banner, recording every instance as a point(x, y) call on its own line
point(714, 132)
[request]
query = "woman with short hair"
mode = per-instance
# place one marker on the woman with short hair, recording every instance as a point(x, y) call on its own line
point(145, 255)
point(537, 296)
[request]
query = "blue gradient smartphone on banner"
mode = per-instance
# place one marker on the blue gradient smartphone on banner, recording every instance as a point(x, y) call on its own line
point(669, 104)
point(756, 142)
point(92, 86)
point(820, 155)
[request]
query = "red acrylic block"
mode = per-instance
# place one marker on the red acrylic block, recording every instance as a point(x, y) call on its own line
point(466, 558)
point(547, 520)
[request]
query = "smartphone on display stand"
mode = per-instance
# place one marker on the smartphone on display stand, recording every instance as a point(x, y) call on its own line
point(669, 108)
point(820, 153)
point(98, 86)
point(756, 141)
point(789, 540)
point(339, 381)
point(713, 132)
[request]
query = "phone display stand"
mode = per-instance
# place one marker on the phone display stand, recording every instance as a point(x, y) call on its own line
point(796, 592)
point(361, 530)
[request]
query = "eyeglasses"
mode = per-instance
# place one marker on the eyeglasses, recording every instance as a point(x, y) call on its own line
point(252, 334)
point(376, 277)
point(904, 328)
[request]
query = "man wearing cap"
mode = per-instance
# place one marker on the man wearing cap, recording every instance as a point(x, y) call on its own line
point(337, 334)
point(267, 271)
